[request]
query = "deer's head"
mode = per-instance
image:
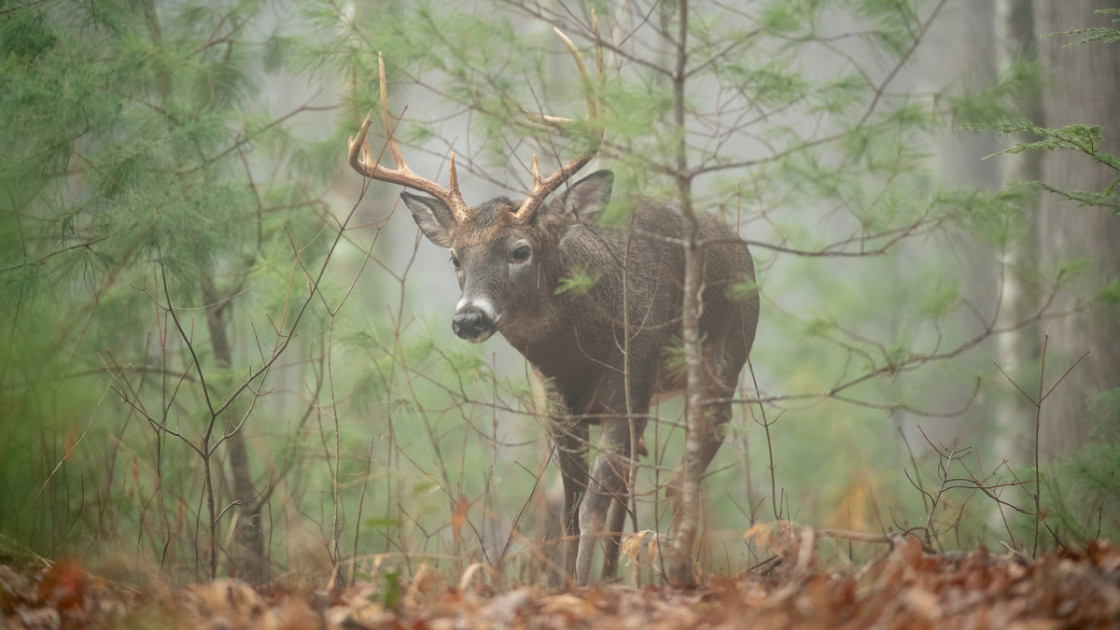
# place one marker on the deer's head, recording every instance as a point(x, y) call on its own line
point(504, 252)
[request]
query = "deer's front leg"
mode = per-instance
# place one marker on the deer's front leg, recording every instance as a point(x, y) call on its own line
point(609, 482)
point(570, 437)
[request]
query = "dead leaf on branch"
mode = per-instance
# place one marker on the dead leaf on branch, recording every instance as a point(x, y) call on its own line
point(777, 537)
point(459, 518)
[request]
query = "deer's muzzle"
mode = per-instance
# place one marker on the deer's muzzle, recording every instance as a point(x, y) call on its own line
point(474, 322)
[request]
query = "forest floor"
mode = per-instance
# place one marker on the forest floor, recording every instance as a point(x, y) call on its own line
point(906, 588)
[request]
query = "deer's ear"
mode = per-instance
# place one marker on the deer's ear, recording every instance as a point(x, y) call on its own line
point(587, 197)
point(433, 216)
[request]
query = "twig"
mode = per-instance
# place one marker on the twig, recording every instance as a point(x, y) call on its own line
point(1037, 403)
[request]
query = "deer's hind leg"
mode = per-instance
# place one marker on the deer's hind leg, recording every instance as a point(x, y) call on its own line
point(722, 365)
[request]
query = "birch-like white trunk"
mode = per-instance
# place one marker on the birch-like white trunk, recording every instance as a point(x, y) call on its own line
point(688, 518)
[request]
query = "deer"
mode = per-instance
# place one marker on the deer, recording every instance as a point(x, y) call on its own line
point(605, 353)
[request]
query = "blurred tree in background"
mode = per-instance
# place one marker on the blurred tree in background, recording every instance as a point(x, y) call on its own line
point(186, 382)
point(1084, 86)
point(1075, 231)
point(159, 226)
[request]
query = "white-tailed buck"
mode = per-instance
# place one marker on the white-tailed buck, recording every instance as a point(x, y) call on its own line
point(510, 257)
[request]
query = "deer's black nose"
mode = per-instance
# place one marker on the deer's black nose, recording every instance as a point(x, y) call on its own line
point(473, 324)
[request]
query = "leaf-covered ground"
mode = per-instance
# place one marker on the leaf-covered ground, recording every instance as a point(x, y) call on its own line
point(906, 588)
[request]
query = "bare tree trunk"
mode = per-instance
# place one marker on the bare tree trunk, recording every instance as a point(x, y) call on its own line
point(247, 555)
point(1084, 88)
point(1015, 40)
point(680, 559)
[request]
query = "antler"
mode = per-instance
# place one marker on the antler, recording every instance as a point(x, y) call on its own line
point(362, 160)
point(543, 187)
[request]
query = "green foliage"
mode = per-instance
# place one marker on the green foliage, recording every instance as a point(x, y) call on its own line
point(1084, 139)
point(674, 358)
point(785, 18)
point(133, 208)
point(1097, 34)
point(893, 23)
point(390, 594)
point(382, 522)
point(578, 282)
point(738, 291)
point(997, 102)
point(1110, 294)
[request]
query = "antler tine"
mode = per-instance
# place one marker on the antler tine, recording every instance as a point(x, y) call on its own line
point(536, 171)
point(592, 109)
point(361, 159)
point(543, 187)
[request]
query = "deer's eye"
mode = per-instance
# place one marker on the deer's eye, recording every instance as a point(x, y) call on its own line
point(521, 253)
point(454, 261)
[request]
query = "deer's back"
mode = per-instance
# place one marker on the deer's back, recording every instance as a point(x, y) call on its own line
point(648, 260)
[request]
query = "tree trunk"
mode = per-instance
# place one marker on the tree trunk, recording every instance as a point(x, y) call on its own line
point(1084, 88)
point(249, 561)
point(247, 555)
point(679, 564)
point(1018, 352)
